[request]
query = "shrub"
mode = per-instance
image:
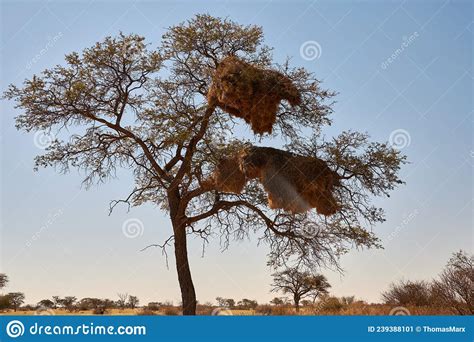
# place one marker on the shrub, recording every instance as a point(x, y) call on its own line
point(28, 307)
point(332, 304)
point(264, 310)
point(146, 312)
point(153, 306)
point(4, 302)
point(171, 311)
point(99, 311)
point(204, 310)
point(404, 293)
point(454, 288)
point(347, 300)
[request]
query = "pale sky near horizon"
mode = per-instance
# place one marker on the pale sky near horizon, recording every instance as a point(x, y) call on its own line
point(57, 238)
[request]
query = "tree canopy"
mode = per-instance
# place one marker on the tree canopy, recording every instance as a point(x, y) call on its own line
point(300, 284)
point(16, 299)
point(3, 280)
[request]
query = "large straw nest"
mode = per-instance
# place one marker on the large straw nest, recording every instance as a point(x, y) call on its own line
point(293, 183)
point(251, 93)
point(228, 177)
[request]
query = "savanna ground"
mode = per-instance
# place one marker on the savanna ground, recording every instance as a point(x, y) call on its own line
point(357, 308)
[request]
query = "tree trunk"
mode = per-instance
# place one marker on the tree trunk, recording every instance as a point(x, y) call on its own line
point(297, 303)
point(188, 295)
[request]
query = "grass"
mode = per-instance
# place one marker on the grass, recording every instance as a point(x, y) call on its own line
point(357, 308)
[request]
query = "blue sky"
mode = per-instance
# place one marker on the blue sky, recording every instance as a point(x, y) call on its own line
point(57, 238)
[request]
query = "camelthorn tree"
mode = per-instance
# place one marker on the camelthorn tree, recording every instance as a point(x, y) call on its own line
point(146, 110)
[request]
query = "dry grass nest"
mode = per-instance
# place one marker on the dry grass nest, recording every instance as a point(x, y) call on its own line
point(293, 183)
point(251, 93)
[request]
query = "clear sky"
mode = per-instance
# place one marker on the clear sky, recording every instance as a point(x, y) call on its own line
point(57, 239)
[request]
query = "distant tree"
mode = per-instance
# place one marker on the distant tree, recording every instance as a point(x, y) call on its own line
point(10, 300)
point(247, 304)
point(4, 302)
point(68, 303)
point(348, 300)
point(277, 301)
point(133, 302)
point(455, 287)
point(16, 299)
point(29, 307)
point(154, 306)
point(83, 304)
point(89, 303)
point(121, 104)
point(122, 301)
point(415, 293)
point(230, 303)
point(225, 302)
point(3, 280)
point(108, 303)
point(300, 284)
point(46, 303)
point(57, 301)
point(220, 301)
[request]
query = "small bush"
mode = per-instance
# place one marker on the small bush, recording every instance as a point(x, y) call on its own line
point(27, 307)
point(171, 311)
point(332, 304)
point(454, 288)
point(347, 300)
point(405, 293)
point(146, 312)
point(153, 306)
point(4, 302)
point(204, 310)
point(99, 311)
point(264, 310)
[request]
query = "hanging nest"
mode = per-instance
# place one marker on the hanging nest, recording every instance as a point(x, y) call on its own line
point(228, 177)
point(251, 93)
point(293, 183)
